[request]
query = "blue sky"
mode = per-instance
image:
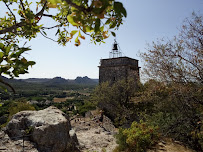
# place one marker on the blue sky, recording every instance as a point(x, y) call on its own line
point(147, 20)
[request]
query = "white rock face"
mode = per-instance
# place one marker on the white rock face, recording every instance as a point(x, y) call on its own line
point(94, 135)
point(96, 139)
point(48, 129)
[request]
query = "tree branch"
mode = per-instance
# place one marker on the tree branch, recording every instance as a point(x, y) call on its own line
point(17, 25)
point(48, 28)
point(47, 15)
point(8, 85)
point(40, 13)
point(10, 12)
point(21, 3)
point(10, 29)
point(47, 37)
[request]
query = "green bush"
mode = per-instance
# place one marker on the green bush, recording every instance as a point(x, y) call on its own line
point(116, 100)
point(137, 138)
point(176, 109)
point(19, 106)
point(87, 106)
point(9, 108)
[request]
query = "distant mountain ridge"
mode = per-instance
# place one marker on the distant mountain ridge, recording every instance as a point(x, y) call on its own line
point(54, 81)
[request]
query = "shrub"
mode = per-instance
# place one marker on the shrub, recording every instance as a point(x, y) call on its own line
point(137, 138)
point(19, 106)
point(176, 109)
point(9, 108)
point(121, 141)
point(116, 100)
point(87, 106)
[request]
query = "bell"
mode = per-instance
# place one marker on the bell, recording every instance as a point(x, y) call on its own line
point(115, 46)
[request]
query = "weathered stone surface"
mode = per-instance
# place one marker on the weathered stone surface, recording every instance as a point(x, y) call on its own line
point(73, 136)
point(115, 69)
point(108, 125)
point(49, 129)
point(94, 135)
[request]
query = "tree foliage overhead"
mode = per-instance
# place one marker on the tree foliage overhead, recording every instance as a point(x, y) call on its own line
point(73, 20)
point(180, 59)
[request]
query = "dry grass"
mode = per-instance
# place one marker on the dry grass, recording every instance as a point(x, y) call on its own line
point(62, 99)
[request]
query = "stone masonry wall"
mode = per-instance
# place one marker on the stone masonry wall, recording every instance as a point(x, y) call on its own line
point(115, 69)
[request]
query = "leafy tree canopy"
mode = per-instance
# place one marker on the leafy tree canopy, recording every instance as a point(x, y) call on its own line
point(74, 19)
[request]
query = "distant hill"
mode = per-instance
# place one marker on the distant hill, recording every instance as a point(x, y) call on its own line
point(84, 80)
point(54, 81)
point(36, 80)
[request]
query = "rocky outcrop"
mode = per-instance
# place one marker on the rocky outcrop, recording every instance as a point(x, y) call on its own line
point(94, 135)
point(96, 139)
point(107, 124)
point(48, 130)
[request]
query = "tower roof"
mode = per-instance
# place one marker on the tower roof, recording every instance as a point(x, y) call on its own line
point(120, 61)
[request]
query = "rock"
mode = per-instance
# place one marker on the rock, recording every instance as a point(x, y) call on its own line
point(8, 145)
point(97, 131)
point(94, 135)
point(108, 133)
point(73, 137)
point(161, 144)
point(88, 114)
point(48, 129)
point(95, 139)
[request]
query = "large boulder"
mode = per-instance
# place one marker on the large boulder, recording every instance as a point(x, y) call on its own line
point(48, 129)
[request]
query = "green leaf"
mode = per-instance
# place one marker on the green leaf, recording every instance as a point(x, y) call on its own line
point(1, 54)
point(79, 34)
point(44, 33)
point(102, 28)
point(24, 60)
point(108, 21)
point(31, 63)
point(113, 25)
point(88, 29)
point(21, 50)
point(76, 40)
point(8, 49)
point(1, 45)
point(71, 20)
point(74, 32)
point(118, 7)
point(113, 33)
point(55, 1)
point(124, 12)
